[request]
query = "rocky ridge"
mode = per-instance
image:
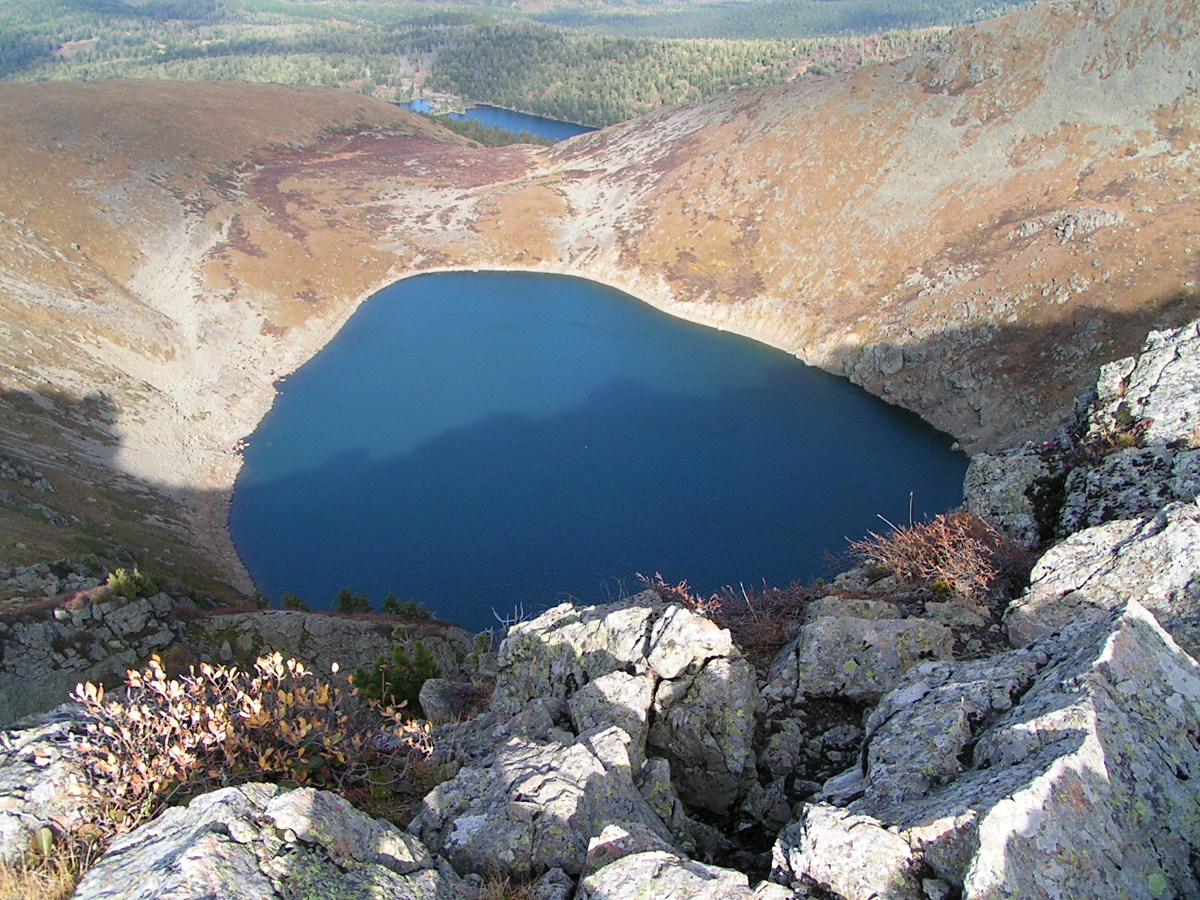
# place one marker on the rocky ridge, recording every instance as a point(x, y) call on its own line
point(631, 748)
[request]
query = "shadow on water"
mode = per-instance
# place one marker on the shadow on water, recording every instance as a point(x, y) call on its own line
point(519, 509)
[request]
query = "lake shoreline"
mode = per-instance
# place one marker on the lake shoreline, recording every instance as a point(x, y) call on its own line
point(448, 361)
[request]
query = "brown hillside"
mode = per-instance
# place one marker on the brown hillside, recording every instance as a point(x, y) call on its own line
point(969, 234)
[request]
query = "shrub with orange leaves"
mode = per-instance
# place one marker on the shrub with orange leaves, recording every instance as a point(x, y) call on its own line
point(217, 726)
point(957, 552)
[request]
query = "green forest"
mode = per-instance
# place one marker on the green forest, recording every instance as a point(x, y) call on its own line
point(596, 68)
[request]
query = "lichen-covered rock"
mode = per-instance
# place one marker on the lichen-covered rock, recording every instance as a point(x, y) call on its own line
point(319, 640)
point(855, 856)
point(260, 842)
point(1000, 488)
point(535, 806)
point(1129, 484)
point(1084, 787)
point(616, 699)
point(855, 607)
point(1155, 561)
point(1158, 385)
point(704, 692)
point(658, 875)
point(42, 658)
point(690, 835)
point(445, 701)
point(618, 841)
point(947, 703)
point(475, 741)
point(705, 726)
point(858, 659)
point(42, 783)
point(566, 647)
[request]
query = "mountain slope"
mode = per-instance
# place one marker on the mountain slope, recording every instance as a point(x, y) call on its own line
point(970, 234)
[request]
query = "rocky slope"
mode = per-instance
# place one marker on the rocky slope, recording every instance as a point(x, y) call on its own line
point(970, 234)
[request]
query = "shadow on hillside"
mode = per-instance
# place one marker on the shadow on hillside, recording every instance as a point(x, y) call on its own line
point(967, 381)
point(63, 495)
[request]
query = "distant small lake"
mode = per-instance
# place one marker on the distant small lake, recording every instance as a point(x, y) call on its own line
point(511, 120)
point(477, 441)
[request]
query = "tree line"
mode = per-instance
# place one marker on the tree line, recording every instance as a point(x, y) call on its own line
point(397, 52)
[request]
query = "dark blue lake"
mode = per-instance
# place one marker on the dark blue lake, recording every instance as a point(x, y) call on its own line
point(479, 440)
point(511, 120)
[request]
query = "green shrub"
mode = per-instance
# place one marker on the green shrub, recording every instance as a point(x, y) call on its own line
point(396, 681)
point(409, 610)
point(291, 601)
point(350, 603)
point(131, 585)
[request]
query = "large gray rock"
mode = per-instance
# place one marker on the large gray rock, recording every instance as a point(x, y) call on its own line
point(853, 658)
point(535, 807)
point(445, 701)
point(320, 640)
point(1083, 788)
point(259, 842)
point(42, 780)
point(1129, 484)
point(855, 856)
point(659, 875)
point(1159, 385)
point(619, 699)
point(44, 655)
point(1155, 561)
point(1000, 488)
point(704, 693)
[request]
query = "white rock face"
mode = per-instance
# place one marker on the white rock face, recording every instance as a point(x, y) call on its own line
point(259, 842)
point(1158, 385)
point(655, 874)
point(1083, 788)
point(704, 693)
point(852, 657)
point(1155, 561)
point(535, 807)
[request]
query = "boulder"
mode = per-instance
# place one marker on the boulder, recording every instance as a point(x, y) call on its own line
point(856, 856)
point(616, 699)
point(604, 660)
point(1155, 561)
point(535, 807)
point(1128, 484)
point(42, 781)
point(43, 656)
point(1064, 769)
point(1000, 488)
point(473, 742)
point(854, 658)
point(260, 842)
point(656, 874)
point(445, 701)
point(320, 640)
point(1158, 385)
